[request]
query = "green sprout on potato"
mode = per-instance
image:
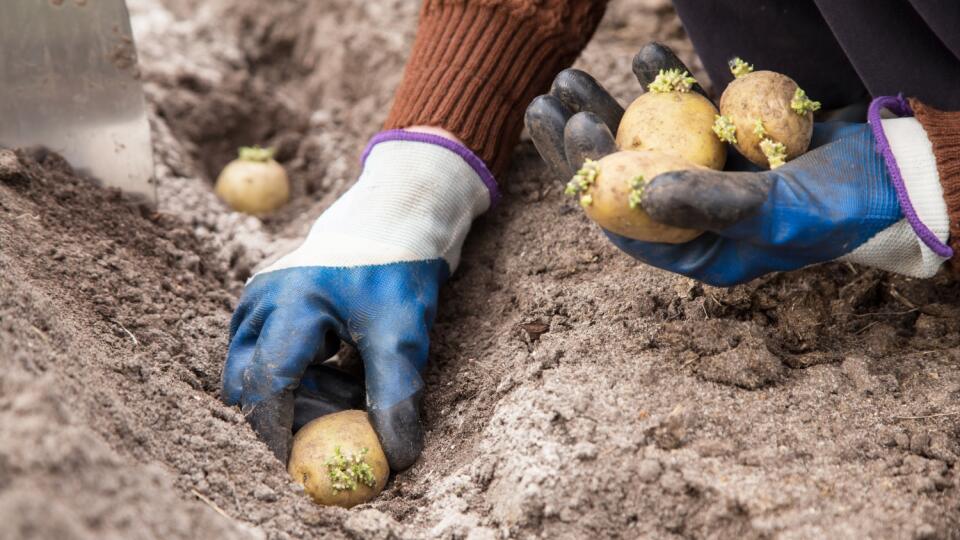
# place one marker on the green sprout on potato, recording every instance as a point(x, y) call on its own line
point(636, 191)
point(776, 152)
point(348, 472)
point(582, 180)
point(255, 153)
point(725, 129)
point(739, 67)
point(758, 129)
point(802, 104)
point(672, 80)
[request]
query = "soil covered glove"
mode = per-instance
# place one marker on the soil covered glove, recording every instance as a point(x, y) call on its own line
point(368, 274)
point(848, 198)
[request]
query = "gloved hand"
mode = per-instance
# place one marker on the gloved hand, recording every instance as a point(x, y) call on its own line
point(848, 198)
point(367, 274)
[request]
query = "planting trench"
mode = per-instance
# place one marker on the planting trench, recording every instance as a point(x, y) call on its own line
point(572, 392)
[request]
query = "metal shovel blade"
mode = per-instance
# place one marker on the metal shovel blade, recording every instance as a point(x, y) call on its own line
point(69, 81)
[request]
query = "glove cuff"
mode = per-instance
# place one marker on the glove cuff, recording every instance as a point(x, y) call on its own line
point(414, 201)
point(914, 246)
point(899, 106)
point(472, 160)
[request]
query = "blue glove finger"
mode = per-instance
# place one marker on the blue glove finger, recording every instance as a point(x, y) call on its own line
point(245, 326)
point(395, 389)
point(263, 301)
point(295, 332)
point(394, 345)
point(292, 338)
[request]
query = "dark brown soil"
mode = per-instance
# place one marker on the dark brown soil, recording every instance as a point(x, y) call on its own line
point(573, 392)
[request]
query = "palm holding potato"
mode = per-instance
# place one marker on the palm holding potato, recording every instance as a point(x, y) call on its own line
point(836, 201)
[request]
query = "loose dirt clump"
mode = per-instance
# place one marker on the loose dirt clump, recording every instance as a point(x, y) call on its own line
point(572, 391)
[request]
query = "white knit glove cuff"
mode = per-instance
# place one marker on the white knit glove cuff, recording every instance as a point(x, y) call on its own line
point(414, 201)
point(898, 248)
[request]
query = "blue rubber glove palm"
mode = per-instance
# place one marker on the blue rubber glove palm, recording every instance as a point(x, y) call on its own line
point(368, 274)
point(818, 207)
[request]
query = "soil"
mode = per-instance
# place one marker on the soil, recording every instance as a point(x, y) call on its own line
point(572, 392)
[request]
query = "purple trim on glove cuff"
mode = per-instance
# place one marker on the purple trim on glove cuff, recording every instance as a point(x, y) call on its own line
point(900, 107)
point(475, 162)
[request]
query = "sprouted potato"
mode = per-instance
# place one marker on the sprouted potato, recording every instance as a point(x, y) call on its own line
point(338, 459)
point(611, 190)
point(254, 183)
point(765, 115)
point(672, 119)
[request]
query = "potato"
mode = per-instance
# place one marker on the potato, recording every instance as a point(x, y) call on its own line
point(766, 105)
point(677, 123)
point(254, 183)
point(610, 191)
point(338, 459)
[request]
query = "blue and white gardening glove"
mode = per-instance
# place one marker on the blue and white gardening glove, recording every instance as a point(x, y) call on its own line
point(865, 193)
point(367, 274)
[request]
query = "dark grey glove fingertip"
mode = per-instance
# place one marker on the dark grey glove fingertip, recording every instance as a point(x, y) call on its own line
point(580, 92)
point(707, 200)
point(587, 137)
point(330, 391)
point(653, 57)
point(400, 432)
point(545, 118)
point(272, 420)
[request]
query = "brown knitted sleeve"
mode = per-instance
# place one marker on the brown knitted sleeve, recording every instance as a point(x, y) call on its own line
point(943, 129)
point(476, 65)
